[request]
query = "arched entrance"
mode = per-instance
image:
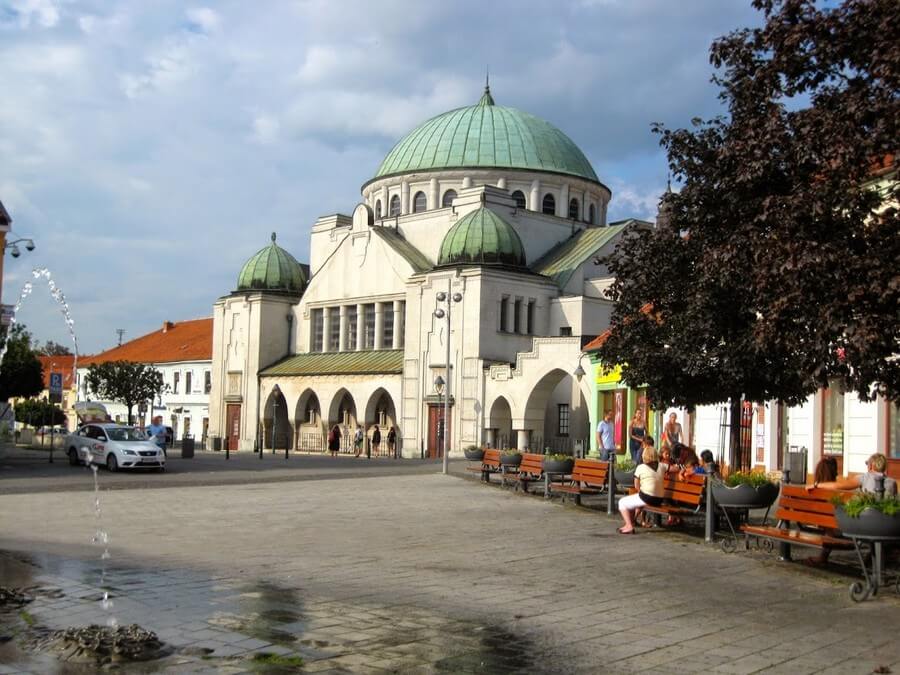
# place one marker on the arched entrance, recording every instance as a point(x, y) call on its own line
point(309, 427)
point(276, 431)
point(380, 411)
point(342, 412)
point(498, 430)
point(556, 416)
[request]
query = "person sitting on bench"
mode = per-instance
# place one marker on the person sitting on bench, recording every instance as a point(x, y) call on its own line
point(649, 481)
point(865, 482)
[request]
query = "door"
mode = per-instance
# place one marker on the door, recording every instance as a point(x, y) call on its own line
point(614, 400)
point(233, 425)
point(435, 430)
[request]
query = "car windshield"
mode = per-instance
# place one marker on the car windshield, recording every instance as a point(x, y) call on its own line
point(126, 434)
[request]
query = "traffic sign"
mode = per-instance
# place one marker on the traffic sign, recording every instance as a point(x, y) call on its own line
point(56, 387)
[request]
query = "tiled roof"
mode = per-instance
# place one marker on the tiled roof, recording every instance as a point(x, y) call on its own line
point(58, 364)
point(4, 216)
point(381, 361)
point(182, 341)
point(561, 261)
point(403, 248)
point(598, 341)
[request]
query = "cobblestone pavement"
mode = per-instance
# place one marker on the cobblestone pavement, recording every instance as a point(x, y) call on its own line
point(429, 573)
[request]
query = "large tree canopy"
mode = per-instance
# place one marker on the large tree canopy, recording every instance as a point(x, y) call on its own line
point(775, 267)
point(125, 382)
point(21, 374)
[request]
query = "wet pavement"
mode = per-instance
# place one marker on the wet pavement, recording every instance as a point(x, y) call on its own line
point(415, 573)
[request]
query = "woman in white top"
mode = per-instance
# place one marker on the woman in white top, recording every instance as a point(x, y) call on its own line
point(649, 481)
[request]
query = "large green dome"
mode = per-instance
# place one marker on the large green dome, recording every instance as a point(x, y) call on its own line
point(272, 269)
point(479, 238)
point(486, 136)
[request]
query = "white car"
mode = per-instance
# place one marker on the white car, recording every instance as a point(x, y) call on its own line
point(114, 446)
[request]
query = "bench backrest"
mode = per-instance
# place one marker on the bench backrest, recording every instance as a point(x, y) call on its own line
point(491, 458)
point(690, 490)
point(809, 507)
point(532, 464)
point(590, 471)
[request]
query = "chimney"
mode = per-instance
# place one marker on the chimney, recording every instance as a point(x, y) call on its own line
point(167, 325)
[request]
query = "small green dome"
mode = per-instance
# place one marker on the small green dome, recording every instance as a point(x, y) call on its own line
point(486, 135)
point(482, 238)
point(272, 269)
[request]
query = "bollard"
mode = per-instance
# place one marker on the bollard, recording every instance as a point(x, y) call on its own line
point(879, 485)
point(227, 448)
point(611, 480)
point(710, 530)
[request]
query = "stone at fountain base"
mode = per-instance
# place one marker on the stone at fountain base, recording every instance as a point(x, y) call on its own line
point(103, 645)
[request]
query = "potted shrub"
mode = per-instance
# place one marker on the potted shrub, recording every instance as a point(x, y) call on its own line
point(625, 472)
point(510, 457)
point(865, 515)
point(473, 453)
point(558, 463)
point(746, 489)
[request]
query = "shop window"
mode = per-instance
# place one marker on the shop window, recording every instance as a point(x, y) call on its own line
point(519, 198)
point(548, 206)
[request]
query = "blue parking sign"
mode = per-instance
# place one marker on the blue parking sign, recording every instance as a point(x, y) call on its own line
point(56, 381)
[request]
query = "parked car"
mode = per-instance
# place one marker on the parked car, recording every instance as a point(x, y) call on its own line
point(115, 446)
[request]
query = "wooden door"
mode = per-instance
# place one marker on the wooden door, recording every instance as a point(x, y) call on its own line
point(435, 429)
point(233, 425)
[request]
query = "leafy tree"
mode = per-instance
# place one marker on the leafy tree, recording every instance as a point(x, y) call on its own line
point(51, 348)
point(21, 374)
point(125, 382)
point(38, 412)
point(774, 269)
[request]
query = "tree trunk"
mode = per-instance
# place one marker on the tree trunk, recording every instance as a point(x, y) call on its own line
point(735, 459)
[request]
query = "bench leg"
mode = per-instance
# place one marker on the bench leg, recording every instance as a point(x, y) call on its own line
point(577, 499)
point(784, 551)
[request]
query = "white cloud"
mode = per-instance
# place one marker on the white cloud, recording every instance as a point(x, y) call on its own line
point(164, 69)
point(203, 18)
point(44, 13)
point(265, 129)
point(638, 202)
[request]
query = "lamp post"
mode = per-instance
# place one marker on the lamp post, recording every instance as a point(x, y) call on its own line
point(439, 388)
point(276, 392)
point(13, 247)
point(440, 313)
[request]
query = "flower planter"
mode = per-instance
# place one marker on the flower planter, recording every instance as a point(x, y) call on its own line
point(745, 496)
point(625, 478)
point(474, 455)
point(869, 523)
point(558, 465)
point(511, 460)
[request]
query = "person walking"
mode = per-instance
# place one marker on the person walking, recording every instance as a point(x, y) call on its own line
point(636, 433)
point(358, 438)
point(606, 442)
point(334, 440)
point(392, 442)
point(376, 441)
point(158, 433)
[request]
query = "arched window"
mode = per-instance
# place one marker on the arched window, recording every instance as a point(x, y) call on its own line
point(549, 204)
point(419, 202)
point(395, 206)
point(378, 210)
point(519, 198)
point(447, 201)
point(592, 215)
point(573, 209)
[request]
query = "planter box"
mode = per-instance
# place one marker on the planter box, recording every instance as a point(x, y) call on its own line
point(558, 465)
point(625, 478)
point(510, 460)
point(745, 496)
point(869, 523)
point(474, 455)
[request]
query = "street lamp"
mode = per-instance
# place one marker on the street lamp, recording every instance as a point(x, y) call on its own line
point(439, 388)
point(276, 392)
point(13, 247)
point(440, 313)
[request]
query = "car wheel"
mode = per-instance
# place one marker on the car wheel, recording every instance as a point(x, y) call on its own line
point(111, 463)
point(73, 457)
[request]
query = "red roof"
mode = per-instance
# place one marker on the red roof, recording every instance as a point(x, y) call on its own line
point(598, 341)
point(58, 364)
point(184, 341)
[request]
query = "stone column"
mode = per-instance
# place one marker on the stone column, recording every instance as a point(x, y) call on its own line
point(379, 325)
point(326, 325)
point(523, 439)
point(342, 340)
point(562, 206)
point(434, 194)
point(398, 325)
point(534, 203)
point(467, 182)
point(385, 206)
point(404, 198)
point(360, 327)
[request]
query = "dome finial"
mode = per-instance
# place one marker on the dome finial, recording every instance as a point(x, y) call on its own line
point(486, 98)
point(273, 237)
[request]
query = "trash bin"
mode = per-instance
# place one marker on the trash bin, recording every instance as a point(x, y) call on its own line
point(187, 447)
point(216, 443)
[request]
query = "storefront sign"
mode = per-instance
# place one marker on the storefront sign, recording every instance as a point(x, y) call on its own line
point(609, 376)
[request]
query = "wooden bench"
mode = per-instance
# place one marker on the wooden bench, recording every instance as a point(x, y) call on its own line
point(489, 464)
point(810, 508)
point(531, 470)
point(588, 477)
point(684, 496)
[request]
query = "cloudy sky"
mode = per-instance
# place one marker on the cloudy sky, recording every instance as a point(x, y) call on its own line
point(149, 148)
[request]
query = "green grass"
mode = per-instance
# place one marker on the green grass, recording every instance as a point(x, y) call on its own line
point(27, 617)
point(277, 661)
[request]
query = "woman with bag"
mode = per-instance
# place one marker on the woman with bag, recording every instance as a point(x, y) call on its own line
point(334, 440)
